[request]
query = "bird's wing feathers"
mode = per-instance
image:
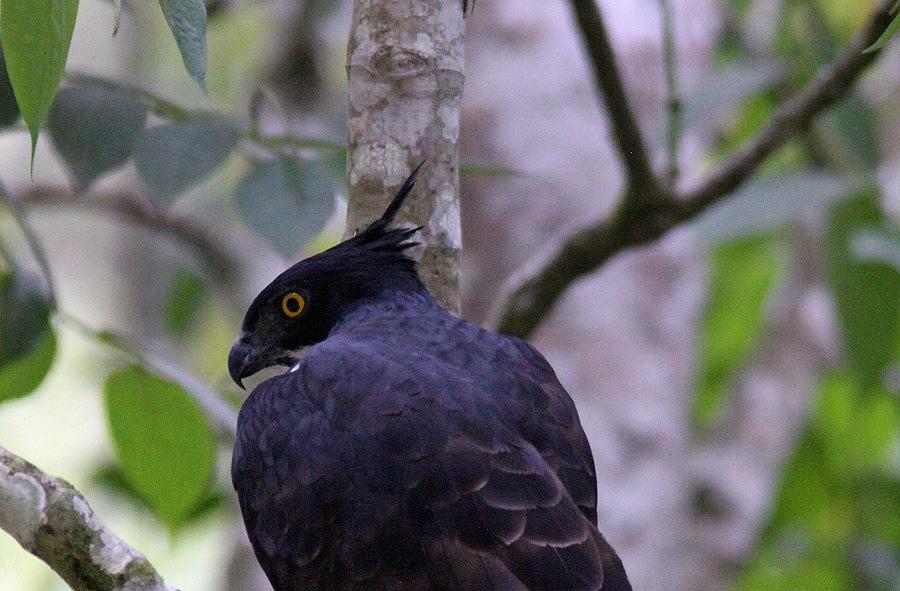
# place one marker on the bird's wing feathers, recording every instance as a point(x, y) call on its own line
point(550, 421)
point(411, 455)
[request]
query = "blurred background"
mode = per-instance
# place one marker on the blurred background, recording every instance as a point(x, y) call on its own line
point(738, 380)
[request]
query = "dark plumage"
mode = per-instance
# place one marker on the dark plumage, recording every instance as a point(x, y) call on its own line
point(407, 450)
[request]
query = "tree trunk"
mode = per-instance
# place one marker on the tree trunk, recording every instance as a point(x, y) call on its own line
point(405, 74)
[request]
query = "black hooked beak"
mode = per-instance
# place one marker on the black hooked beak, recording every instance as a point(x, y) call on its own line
point(243, 360)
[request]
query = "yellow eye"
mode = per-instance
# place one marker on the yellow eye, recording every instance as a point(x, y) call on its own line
point(292, 304)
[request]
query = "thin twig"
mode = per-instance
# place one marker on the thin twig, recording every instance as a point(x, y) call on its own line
point(673, 96)
point(830, 85)
point(131, 208)
point(531, 294)
point(49, 518)
point(221, 415)
point(169, 110)
point(608, 79)
point(34, 244)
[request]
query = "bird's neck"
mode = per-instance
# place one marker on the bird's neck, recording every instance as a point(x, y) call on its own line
point(385, 307)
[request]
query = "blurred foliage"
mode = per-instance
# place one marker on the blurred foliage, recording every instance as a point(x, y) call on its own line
point(867, 292)
point(175, 156)
point(835, 522)
point(93, 129)
point(889, 33)
point(742, 275)
point(185, 295)
point(282, 200)
point(838, 495)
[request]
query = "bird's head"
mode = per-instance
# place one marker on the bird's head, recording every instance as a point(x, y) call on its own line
point(301, 306)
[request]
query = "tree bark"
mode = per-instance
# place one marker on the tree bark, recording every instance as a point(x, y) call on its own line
point(53, 521)
point(405, 72)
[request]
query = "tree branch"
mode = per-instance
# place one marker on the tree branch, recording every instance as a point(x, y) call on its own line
point(608, 79)
point(135, 210)
point(831, 84)
point(531, 294)
point(53, 521)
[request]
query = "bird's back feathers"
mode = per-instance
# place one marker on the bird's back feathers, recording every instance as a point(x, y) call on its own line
point(411, 450)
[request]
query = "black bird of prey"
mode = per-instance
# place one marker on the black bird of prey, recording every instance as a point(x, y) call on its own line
point(406, 449)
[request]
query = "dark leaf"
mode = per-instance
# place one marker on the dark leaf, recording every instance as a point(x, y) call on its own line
point(287, 202)
point(187, 20)
point(27, 341)
point(93, 128)
point(173, 157)
point(23, 375)
point(867, 292)
point(24, 315)
point(9, 109)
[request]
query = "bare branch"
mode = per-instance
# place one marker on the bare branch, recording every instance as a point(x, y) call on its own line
point(530, 295)
point(673, 96)
point(53, 521)
point(608, 80)
point(140, 212)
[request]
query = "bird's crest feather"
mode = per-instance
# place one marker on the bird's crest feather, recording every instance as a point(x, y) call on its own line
point(377, 235)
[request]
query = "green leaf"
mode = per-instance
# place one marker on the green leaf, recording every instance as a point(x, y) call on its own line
point(742, 275)
point(867, 292)
point(23, 375)
point(36, 37)
point(187, 20)
point(111, 477)
point(173, 157)
point(163, 442)
point(93, 128)
point(769, 204)
point(184, 297)
point(9, 108)
point(287, 202)
point(888, 33)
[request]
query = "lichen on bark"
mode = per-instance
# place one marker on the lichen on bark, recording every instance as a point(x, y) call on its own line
point(48, 517)
point(405, 62)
